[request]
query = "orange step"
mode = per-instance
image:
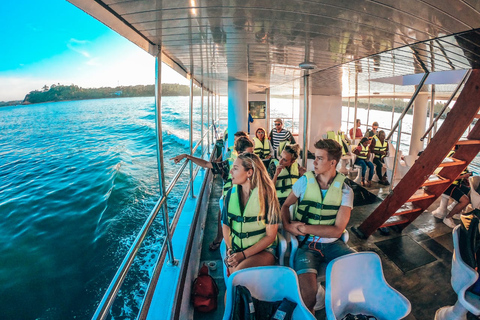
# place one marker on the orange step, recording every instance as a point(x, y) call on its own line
point(450, 162)
point(420, 194)
point(394, 220)
point(435, 179)
point(467, 142)
point(407, 208)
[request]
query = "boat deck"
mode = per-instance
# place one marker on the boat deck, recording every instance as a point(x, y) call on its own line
point(416, 262)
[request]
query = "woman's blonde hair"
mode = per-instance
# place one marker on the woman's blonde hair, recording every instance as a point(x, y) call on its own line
point(266, 189)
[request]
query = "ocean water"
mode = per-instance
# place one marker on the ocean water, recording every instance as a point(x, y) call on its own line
point(77, 180)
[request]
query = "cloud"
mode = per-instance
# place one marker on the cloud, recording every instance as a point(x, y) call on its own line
point(79, 47)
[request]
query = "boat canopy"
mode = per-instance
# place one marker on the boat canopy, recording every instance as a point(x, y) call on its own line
point(265, 42)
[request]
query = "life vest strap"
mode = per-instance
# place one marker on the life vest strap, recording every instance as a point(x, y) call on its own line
point(243, 235)
point(236, 218)
point(308, 215)
point(319, 205)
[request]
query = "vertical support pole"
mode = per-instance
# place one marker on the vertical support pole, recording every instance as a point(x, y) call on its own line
point(399, 135)
point(355, 110)
point(348, 114)
point(159, 140)
point(432, 110)
point(202, 124)
point(267, 99)
point(208, 122)
point(190, 122)
point(305, 118)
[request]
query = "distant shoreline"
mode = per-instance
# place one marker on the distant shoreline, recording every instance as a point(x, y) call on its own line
point(56, 93)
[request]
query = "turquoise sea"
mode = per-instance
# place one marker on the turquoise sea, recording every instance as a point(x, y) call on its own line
point(77, 180)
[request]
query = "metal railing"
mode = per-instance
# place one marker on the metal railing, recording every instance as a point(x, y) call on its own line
point(399, 124)
point(117, 281)
point(465, 77)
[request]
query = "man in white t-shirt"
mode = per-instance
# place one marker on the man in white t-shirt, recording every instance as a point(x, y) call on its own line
point(321, 217)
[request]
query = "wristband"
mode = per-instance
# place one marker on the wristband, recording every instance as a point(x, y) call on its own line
point(244, 257)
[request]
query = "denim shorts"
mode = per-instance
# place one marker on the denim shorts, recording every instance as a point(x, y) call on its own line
point(309, 257)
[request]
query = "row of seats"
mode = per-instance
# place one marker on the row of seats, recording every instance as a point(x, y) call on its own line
point(356, 290)
point(354, 284)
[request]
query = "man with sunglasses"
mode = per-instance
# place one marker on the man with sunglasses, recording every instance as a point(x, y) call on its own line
point(278, 135)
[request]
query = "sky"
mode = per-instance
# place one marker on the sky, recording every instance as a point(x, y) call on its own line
point(50, 42)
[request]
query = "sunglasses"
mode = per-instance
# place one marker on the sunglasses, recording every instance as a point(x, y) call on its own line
point(278, 124)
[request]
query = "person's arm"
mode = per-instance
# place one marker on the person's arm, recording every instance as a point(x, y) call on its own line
point(278, 169)
point(292, 139)
point(262, 244)
point(356, 151)
point(301, 170)
point(288, 225)
point(198, 161)
point(335, 231)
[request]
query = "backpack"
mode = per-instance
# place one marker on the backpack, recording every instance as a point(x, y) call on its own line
point(204, 291)
point(246, 307)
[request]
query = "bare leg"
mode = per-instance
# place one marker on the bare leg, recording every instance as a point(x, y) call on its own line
point(260, 259)
point(308, 289)
point(464, 201)
point(216, 242)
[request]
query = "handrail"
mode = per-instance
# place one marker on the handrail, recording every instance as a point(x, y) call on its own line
point(399, 125)
point(117, 281)
point(465, 77)
point(410, 103)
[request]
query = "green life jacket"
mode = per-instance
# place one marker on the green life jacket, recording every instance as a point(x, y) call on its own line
point(247, 228)
point(340, 138)
point(364, 153)
point(282, 146)
point(261, 149)
point(228, 183)
point(380, 147)
point(285, 180)
point(316, 210)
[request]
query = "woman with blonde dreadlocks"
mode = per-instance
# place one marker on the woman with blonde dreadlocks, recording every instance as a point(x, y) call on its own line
point(250, 216)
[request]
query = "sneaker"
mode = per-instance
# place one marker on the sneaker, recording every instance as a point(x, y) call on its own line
point(449, 222)
point(438, 214)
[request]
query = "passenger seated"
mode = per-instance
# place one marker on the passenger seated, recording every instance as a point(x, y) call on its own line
point(459, 192)
point(286, 172)
point(242, 144)
point(262, 144)
point(231, 152)
point(363, 153)
point(379, 147)
point(250, 215)
point(321, 217)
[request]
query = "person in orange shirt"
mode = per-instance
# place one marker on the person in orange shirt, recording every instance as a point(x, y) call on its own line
point(358, 133)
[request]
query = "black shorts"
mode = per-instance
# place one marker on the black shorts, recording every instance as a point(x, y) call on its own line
point(457, 191)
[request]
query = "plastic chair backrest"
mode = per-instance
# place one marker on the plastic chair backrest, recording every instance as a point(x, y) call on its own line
point(463, 277)
point(355, 284)
point(268, 284)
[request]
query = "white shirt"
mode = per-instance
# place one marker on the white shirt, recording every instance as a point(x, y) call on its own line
point(299, 189)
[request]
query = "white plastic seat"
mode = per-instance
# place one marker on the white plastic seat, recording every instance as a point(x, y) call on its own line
point(271, 283)
point(281, 250)
point(355, 284)
point(463, 277)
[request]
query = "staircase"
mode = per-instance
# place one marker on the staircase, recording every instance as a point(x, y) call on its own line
point(419, 188)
